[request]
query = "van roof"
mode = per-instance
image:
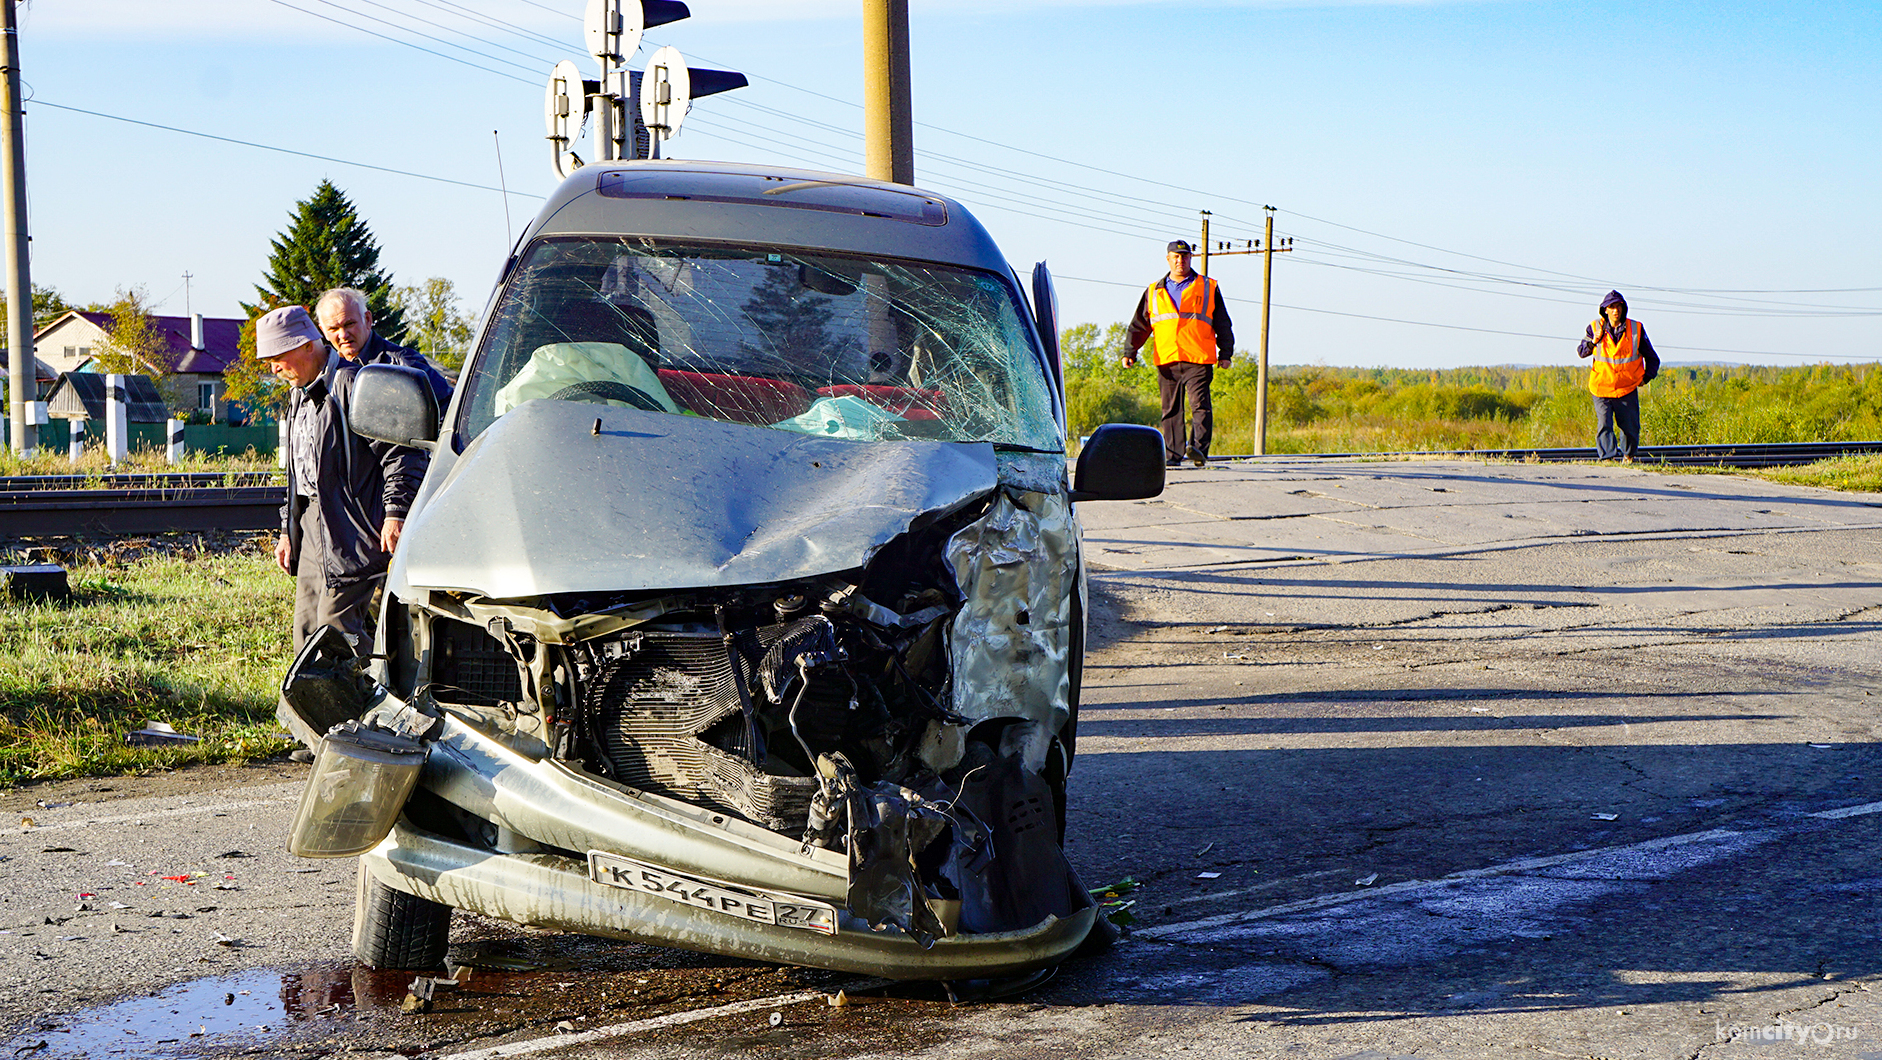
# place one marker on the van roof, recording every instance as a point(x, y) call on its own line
point(767, 205)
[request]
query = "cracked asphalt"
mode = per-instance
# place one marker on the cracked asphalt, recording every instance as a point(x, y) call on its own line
point(1434, 759)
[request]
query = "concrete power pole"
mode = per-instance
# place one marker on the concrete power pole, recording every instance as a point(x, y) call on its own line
point(19, 280)
point(888, 121)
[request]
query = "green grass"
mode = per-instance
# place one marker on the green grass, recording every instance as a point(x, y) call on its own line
point(194, 638)
point(1317, 409)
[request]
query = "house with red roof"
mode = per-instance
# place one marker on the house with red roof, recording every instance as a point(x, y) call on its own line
point(197, 349)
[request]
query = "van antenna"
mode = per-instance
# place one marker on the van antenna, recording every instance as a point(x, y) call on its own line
point(509, 239)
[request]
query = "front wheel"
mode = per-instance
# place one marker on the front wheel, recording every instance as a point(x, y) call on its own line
point(392, 929)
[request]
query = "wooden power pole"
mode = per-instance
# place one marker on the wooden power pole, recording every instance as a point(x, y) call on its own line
point(1267, 250)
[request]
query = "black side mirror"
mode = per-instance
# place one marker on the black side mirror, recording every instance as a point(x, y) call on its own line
point(1120, 462)
point(393, 403)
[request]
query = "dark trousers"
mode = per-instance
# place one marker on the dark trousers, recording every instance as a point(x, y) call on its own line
point(1173, 381)
point(348, 609)
point(1616, 413)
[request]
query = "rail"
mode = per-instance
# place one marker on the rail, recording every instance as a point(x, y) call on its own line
point(156, 503)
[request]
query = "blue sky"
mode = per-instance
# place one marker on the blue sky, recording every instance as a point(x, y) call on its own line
point(1463, 180)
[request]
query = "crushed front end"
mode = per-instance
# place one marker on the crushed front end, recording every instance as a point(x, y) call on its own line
point(862, 771)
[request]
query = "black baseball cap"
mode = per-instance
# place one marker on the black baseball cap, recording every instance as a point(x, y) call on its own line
point(1178, 246)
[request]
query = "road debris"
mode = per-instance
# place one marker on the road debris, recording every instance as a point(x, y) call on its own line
point(1208, 875)
point(1112, 903)
point(1366, 881)
point(1604, 816)
point(158, 734)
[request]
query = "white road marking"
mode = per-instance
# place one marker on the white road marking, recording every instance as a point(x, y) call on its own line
point(1850, 811)
point(152, 815)
point(672, 1019)
point(1729, 840)
point(1505, 869)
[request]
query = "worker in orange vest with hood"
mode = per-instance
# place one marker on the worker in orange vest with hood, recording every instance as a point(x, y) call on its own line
point(1624, 361)
point(1185, 314)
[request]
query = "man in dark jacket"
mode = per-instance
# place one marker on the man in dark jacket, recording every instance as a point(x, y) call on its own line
point(1624, 361)
point(347, 497)
point(348, 326)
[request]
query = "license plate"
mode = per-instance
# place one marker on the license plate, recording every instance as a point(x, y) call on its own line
point(782, 910)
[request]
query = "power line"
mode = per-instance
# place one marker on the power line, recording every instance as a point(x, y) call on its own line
point(283, 150)
point(447, 29)
point(496, 23)
point(408, 44)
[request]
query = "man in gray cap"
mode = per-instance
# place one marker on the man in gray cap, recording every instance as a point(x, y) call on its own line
point(1186, 316)
point(347, 497)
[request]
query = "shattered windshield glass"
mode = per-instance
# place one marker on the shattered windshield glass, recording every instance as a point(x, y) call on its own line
point(834, 346)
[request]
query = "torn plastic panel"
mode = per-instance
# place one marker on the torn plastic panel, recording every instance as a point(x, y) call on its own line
point(325, 686)
point(863, 349)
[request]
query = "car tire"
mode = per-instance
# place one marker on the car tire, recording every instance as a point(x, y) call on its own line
point(392, 929)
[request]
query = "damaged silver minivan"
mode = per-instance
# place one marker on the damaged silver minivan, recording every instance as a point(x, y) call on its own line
point(742, 607)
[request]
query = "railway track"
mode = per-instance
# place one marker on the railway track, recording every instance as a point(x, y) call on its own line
point(70, 512)
point(103, 506)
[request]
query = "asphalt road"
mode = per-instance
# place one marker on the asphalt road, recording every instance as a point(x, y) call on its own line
point(1427, 759)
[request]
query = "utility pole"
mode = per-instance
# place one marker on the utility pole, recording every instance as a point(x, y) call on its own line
point(19, 280)
point(888, 121)
point(1261, 363)
point(1204, 270)
point(1267, 250)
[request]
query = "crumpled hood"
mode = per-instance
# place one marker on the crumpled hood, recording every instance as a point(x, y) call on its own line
point(540, 503)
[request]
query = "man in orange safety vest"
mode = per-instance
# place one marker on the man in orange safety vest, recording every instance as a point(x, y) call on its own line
point(1188, 321)
point(1624, 361)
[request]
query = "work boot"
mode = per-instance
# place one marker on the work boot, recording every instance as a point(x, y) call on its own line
point(1175, 461)
point(1198, 457)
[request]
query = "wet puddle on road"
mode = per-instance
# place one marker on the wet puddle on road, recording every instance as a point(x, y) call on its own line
point(207, 1015)
point(508, 985)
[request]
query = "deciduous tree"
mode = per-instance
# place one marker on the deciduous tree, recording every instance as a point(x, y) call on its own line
point(134, 345)
point(432, 322)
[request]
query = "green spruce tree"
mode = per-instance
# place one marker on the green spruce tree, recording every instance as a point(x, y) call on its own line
point(326, 245)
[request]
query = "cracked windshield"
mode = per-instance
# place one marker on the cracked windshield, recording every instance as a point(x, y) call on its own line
point(838, 347)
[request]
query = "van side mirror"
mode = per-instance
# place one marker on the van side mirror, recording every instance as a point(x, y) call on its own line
point(393, 403)
point(1120, 462)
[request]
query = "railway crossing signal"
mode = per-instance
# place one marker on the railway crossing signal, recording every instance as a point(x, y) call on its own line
point(634, 112)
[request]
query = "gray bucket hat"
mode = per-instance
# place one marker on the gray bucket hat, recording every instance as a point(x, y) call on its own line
point(284, 329)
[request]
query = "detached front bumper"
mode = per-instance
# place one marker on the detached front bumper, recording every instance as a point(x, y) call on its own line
point(555, 891)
